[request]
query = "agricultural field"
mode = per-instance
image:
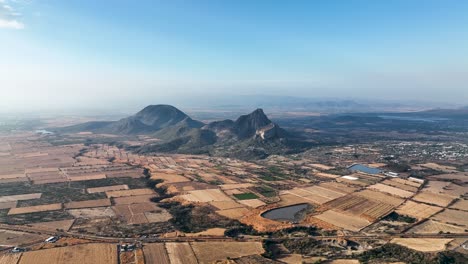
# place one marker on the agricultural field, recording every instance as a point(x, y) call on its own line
point(156, 253)
point(417, 210)
point(344, 221)
point(209, 252)
point(423, 244)
point(461, 204)
point(391, 190)
point(181, 253)
point(107, 188)
point(435, 227)
point(433, 198)
point(14, 238)
point(79, 254)
point(9, 258)
point(88, 204)
point(35, 209)
point(204, 196)
point(455, 217)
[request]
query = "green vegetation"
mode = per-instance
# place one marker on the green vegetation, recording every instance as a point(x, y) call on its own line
point(245, 196)
point(400, 218)
point(394, 253)
point(265, 191)
point(192, 219)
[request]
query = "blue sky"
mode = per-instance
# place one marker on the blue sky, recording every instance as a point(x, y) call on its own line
point(71, 53)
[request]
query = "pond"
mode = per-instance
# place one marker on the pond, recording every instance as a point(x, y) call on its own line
point(365, 169)
point(292, 213)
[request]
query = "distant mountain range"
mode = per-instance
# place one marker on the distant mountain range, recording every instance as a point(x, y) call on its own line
point(251, 135)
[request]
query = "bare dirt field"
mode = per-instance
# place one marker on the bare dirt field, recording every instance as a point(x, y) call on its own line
point(156, 253)
point(54, 225)
point(460, 205)
point(400, 185)
point(134, 199)
point(79, 254)
point(235, 213)
point(364, 207)
point(92, 213)
point(209, 252)
point(347, 222)
point(433, 198)
point(87, 177)
point(107, 188)
point(417, 210)
point(181, 253)
point(7, 205)
point(204, 196)
point(168, 178)
point(236, 186)
point(391, 190)
point(20, 197)
point(434, 227)
point(88, 204)
point(447, 188)
point(9, 258)
point(14, 238)
point(423, 244)
point(225, 205)
point(35, 209)
point(460, 176)
point(254, 203)
point(451, 216)
point(319, 194)
point(132, 192)
point(139, 213)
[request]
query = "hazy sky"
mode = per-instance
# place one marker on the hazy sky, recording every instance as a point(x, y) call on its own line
point(69, 53)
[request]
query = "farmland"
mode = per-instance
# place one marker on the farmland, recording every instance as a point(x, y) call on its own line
point(191, 202)
point(87, 253)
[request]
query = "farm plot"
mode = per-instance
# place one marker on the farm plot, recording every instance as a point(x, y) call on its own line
point(156, 253)
point(92, 213)
point(423, 244)
point(168, 178)
point(447, 188)
point(35, 209)
point(434, 227)
point(54, 225)
point(9, 258)
point(318, 194)
point(133, 192)
point(78, 254)
point(462, 177)
point(235, 213)
point(141, 213)
point(399, 185)
point(236, 186)
point(433, 198)
point(107, 188)
point(134, 199)
point(252, 203)
point(8, 205)
point(344, 221)
point(14, 238)
point(180, 253)
point(20, 197)
point(417, 210)
point(225, 205)
point(391, 190)
point(359, 206)
point(87, 177)
point(88, 204)
point(210, 252)
point(204, 196)
point(460, 205)
point(451, 216)
point(381, 197)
